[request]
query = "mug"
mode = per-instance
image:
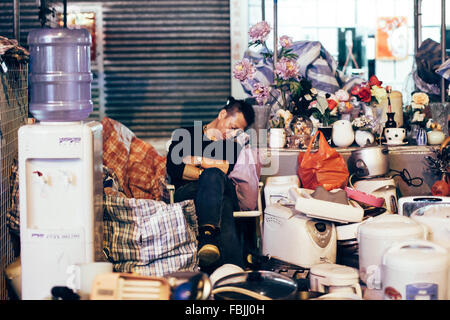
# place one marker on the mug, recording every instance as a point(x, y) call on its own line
point(395, 135)
point(82, 275)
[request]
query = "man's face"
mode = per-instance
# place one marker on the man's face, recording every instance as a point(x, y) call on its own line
point(230, 123)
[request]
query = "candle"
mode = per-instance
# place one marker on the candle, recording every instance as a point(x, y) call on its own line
point(395, 105)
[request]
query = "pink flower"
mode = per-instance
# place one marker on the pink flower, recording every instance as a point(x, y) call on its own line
point(259, 32)
point(285, 41)
point(342, 95)
point(260, 92)
point(244, 70)
point(287, 68)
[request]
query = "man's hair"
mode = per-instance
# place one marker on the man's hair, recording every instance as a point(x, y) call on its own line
point(234, 105)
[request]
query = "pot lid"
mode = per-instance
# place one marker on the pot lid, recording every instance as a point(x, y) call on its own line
point(390, 226)
point(417, 256)
point(334, 271)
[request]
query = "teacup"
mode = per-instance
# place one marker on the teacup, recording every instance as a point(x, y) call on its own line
point(395, 135)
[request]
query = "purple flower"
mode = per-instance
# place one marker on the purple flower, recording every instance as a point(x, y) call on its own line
point(260, 92)
point(285, 41)
point(287, 69)
point(244, 70)
point(259, 32)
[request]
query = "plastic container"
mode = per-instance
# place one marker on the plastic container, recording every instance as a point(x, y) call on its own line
point(415, 270)
point(375, 236)
point(60, 74)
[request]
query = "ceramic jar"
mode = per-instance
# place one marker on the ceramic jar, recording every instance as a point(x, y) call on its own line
point(435, 137)
point(277, 138)
point(363, 138)
point(343, 134)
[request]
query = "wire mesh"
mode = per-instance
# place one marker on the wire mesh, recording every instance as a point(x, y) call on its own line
point(13, 114)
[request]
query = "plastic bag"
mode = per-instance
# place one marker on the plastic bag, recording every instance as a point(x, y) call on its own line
point(245, 176)
point(325, 167)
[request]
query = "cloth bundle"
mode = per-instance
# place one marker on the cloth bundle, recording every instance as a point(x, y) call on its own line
point(316, 65)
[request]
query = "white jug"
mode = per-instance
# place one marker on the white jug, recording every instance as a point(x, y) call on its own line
point(343, 135)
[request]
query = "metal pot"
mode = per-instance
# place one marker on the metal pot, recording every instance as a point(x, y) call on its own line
point(369, 162)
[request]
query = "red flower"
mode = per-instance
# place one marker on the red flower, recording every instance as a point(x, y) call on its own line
point(373, 81)
point(355, 90)
point(332, 104)
point(364, 94)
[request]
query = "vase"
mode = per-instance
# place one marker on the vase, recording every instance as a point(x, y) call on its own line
point(364, 138)
point(421, 139)
point(260, 127)
point(390, 122)
point(412, 133)
point(277, 138)
point(396, 107)
point(342, 133)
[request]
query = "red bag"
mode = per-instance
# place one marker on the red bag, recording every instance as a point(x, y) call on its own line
point(325, 167)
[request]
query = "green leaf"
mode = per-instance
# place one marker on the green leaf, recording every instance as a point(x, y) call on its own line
point(294, 86)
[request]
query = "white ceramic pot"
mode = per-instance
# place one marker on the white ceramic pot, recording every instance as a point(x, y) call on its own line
point(415, 270)
point(277, 138)
point(435, 137)
point(343, 134)
point(363, 138)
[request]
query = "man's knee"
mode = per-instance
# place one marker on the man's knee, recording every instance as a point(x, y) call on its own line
point(212, 175)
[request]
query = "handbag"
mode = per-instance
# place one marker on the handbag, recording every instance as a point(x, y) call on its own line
point(325, 167)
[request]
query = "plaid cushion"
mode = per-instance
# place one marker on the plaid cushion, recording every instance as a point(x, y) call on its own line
point(150, 237)
point(140, 169)
point(116, 149)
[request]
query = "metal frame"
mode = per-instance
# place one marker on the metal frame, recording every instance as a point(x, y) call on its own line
point(417, 32)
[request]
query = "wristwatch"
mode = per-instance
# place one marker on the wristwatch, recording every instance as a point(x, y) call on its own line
point(198, 160)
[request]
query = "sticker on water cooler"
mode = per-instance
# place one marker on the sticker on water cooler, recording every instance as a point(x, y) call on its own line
point(45, 235)
point(69, 141)
point(422, 291)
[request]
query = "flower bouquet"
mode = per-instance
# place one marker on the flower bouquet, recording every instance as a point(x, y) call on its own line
point(366, 128)
point(418, 113)
point(281, 119)
point(287, 90)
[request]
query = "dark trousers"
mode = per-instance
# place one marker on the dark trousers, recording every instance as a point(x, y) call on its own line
point(215, 200)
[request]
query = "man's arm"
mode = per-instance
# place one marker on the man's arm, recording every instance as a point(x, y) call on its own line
point(205, 163)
